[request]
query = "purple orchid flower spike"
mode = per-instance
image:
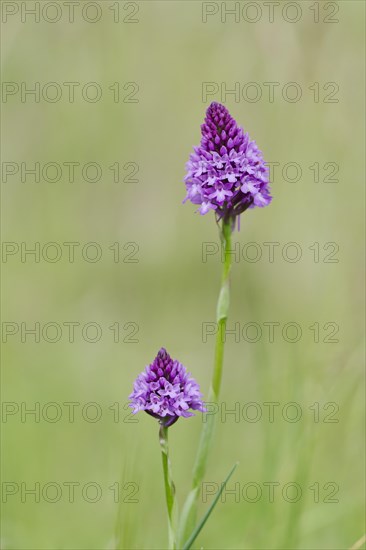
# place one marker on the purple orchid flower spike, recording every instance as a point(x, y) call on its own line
point(166, 391)
point(226, 173)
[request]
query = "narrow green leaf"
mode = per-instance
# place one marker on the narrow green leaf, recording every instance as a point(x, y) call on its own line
point(200, 525)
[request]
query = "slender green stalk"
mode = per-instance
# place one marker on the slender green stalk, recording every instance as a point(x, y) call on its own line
point(169, 486)
point(214, 392)
point(222, 310)
point(189, 513)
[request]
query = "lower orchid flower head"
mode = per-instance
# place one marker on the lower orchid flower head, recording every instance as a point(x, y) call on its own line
point(166, 391)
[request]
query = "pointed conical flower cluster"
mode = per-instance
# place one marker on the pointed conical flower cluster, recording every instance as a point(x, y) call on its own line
point(166, 390)
point(226, 173)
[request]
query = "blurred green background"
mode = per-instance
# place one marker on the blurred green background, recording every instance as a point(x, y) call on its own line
point(160, 292)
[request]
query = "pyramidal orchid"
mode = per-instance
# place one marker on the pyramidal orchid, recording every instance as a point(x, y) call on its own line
point(166, 391)
point(227, 174)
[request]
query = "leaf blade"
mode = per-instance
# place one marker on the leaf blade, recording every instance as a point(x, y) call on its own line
point(201, 524)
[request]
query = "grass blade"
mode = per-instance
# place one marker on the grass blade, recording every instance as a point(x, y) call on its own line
point(200, 525)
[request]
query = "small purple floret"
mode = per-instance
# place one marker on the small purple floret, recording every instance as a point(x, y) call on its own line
point(226, 173)
point(166, 390)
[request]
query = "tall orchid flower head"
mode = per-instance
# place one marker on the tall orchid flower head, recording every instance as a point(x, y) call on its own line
point(166, 391)
point(226, 173)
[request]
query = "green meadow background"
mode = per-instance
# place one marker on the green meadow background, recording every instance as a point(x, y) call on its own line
point(160, 292)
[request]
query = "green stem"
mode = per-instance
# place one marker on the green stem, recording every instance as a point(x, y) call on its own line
point(222, 311)
point(189, 513)
point(214, 392)
point(169, 486)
